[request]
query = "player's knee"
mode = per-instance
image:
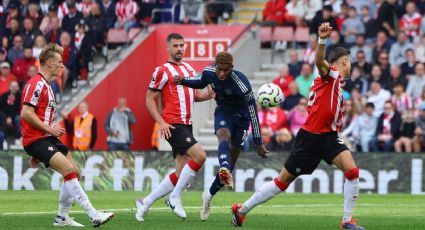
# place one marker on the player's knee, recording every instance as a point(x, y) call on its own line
point(352, 173)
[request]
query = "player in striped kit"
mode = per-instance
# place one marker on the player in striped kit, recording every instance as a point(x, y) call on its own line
point(40, 139)
point(175, 126)
point(318, 139)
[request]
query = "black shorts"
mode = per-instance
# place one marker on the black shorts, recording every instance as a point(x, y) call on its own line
point(310, 148)
point(43, 149)
point(181, 139)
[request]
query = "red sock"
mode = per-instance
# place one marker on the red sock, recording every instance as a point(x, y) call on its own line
point(194, 166)
point(281, 185)
point(173, 178)
point(352, 174)
point(70, 177)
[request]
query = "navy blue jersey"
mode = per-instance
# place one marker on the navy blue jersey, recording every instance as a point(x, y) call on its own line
point(233, 95)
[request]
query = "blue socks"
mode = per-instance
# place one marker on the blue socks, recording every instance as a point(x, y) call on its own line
point(224, 156)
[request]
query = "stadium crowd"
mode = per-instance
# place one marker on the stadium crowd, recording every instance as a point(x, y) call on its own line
point(385, 95)
point(385, 107)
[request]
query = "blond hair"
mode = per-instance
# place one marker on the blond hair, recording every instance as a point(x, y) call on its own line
point(49, 52)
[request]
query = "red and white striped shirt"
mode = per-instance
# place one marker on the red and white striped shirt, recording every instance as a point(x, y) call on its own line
point(177, 100)
point(402, 103)
point(37, 93)
point(63, 10)
point(126, 11)
point(326, 103)
point(408, 21)
point(84, 7)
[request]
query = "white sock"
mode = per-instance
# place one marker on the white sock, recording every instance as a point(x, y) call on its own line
point(186, 177)
point(65, 201)
point(351, 192)
point(77, 192)
point(263, 194)
point(165, 187)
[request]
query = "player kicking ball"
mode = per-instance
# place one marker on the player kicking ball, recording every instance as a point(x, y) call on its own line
point(318, 139)
point(40, 139)
point(236, 108)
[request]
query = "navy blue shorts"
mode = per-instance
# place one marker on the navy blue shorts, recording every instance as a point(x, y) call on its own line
point(235, 123)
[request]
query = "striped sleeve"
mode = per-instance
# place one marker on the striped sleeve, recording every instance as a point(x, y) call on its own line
point(159, 78)
point(333, 72)
point(32, 93)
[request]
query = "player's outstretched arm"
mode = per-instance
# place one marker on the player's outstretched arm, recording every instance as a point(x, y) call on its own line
point(322, 65)
point(198, 82)
point(28, 114)
point(204, 96)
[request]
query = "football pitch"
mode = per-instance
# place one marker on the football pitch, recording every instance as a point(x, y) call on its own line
point(36, 210)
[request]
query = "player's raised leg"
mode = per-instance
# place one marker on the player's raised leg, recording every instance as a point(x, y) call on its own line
point(64, 166)
point(263, 194)
point(197, 158)
point(345, 162)
point(165, 187)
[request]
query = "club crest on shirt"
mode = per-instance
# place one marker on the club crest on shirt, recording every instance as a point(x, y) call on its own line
point(228, 91)
point(222, 123)
point(52, 103)
point(37, 92)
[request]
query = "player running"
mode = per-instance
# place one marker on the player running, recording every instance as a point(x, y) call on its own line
point(39, 137)
point(318, 139)
point(176, 126)
point(236, 108)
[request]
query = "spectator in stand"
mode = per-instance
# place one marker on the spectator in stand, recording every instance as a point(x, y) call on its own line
point(284, 79)
point(11, 33)
point(351, 27)
point(45, 5)
point(296, 11)
point(386, 16)
point(294, 64)
point(63, 8)
point(419, 139)
point(398, 49)
point(417, 81)
point(85, 7)
point(9, 104)
point(118, 126)
point(408, 68)
point(297, 116)
point(71, 19)
point(23, 7)
point(272, 121)
point(360, 45)
point(305, 80)
point(292, 100)
point(192, 12)
point(365, 127)
point(217, 10)
point(396, 77)
point(46, 24)
point(357, 81)
point(420, 49)
point(401, 101)
point(97, 25)
point(6, 77)
point(365, 67)
point(410, 22)
point(3, 55)
point(126, 11)
point(17, 51)
point(418, 101)
point(378, 97)
point(325, 15)
point(407, 133)
point(274, 13)
point(359, 101)
point(35, 14)
point(334, 41)
point(39, 44)
point(349, 122)
point(383, 61)
point(340, 16)
point(32, 71)
point(85, 45)
point(83, 128)
point(69, 59)
point(310, 51)
point(55, 31)
point(2, 129)
point(30, 32)
point(312, 7)
point(108, 10)
point(12, 13)
point(382, 45)
point(376, 76)
point(387, 130)
point(369, 25)
point(20, 68)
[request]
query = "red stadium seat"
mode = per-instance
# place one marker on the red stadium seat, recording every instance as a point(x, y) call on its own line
point(133, 33)
point(116, 36)
point(283, 34)
point(302, 34)
point(265, 34)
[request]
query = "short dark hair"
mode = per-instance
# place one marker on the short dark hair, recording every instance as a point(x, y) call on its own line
point(370, 105)
point(224, 57)
point(174, 36)
point(398, 85)
point(338, 52)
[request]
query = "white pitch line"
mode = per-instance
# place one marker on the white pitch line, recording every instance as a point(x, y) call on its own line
point(217, 207)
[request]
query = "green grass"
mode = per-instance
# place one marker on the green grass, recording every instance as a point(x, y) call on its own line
point(286, 211)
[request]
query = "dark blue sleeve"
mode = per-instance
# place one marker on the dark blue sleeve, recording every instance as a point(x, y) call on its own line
point(198, 82)
point(250, 102)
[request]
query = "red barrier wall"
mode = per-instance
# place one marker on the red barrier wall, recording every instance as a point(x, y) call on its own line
point(131, 78)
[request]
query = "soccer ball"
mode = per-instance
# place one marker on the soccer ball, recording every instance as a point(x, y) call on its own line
point(270, 95)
